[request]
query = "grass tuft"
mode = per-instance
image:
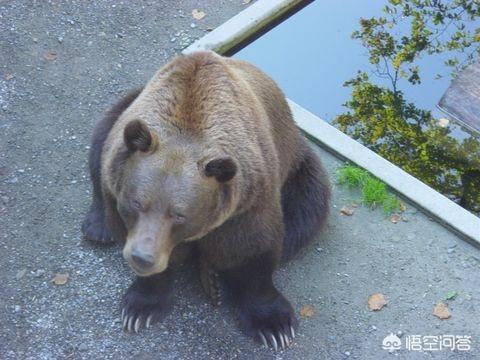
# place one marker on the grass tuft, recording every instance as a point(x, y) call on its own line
point(351, 176)
point(374, 192)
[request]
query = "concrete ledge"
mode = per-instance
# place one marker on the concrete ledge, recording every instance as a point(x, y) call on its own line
point(427, 198)
point(259, 15)
point(242, 26)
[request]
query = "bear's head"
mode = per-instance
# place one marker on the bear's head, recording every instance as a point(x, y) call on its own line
point(169, 191)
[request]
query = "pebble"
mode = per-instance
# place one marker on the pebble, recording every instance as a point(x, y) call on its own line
point(60, 39)
point(12, 180)
point(193, 26)
point(399, 333)
point(173, 39)
point(347, 353)
point(38, 273)
point(83, 347)
point(21, 274)
point(17, 308)
point(396, 239)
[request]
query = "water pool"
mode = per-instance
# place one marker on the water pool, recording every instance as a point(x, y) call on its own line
point(312, 54)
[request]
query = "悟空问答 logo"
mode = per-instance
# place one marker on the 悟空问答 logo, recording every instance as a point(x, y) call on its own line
point(391, 342)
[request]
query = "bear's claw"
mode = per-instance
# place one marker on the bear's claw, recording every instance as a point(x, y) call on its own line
point(133, 321)
point(130, 325)
point(284, 339)
point(270, 323)
point(142, 306)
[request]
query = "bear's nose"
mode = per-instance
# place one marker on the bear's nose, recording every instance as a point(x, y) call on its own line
point(142, 260)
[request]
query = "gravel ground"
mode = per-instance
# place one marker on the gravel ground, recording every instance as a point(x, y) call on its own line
point(61, 65)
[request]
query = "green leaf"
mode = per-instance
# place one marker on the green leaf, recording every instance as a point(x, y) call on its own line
point(451, 295)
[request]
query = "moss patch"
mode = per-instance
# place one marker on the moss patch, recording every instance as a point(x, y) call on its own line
point(374, 191)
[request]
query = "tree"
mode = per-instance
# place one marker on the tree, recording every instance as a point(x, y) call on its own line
point(382, 119)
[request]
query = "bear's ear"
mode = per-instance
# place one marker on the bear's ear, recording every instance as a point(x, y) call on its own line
point(138, 137)
point(223, 169)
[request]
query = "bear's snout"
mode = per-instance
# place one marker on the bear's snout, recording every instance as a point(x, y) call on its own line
point(142, 261)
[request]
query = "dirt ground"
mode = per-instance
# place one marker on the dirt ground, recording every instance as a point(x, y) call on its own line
point(62, 63)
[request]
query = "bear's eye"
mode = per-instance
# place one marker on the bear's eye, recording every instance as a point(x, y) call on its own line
point(136, 205)
point(177, 217)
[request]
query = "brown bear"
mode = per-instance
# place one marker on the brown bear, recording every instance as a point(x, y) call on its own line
point(206, 159)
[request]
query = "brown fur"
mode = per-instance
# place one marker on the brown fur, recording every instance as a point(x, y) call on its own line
point(231, 108)
point(209, 152)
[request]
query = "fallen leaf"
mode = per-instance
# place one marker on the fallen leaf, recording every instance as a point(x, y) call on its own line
point(451, 295)
point(354, 205)
point(60, 279)
point(441, 311)
point(307, 311)
point(198, 15)
point(247, 1)
point(50, 56)
point(376, 301)
point(395, 218)
point(347, 211)
point(403, 207)
point(9, 77)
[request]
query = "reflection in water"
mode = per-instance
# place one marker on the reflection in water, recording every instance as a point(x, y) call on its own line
point(401, 49)
point(412, 139)
point(400, 131)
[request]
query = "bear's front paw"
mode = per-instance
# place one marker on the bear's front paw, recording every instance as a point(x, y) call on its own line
point(271, 323)
point(141, 308)
point(94, 229)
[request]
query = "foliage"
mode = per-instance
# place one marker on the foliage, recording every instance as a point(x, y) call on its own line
point(381, 118)
point(436, 26)
point(374, 191)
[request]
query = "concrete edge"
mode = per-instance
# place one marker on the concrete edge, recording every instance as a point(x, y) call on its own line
point(259, 15)
point(242, 26)
point(421, 194)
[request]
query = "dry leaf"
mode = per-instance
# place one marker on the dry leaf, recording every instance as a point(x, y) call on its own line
point(441, 311)
point(50, 56)
point(247, 1)
point(9, 77)
point(199, 15)
point(347, 211)
point(60, 279)
point(377, 301)
point(395, 218)
point(307, 311)
point(403, 207)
